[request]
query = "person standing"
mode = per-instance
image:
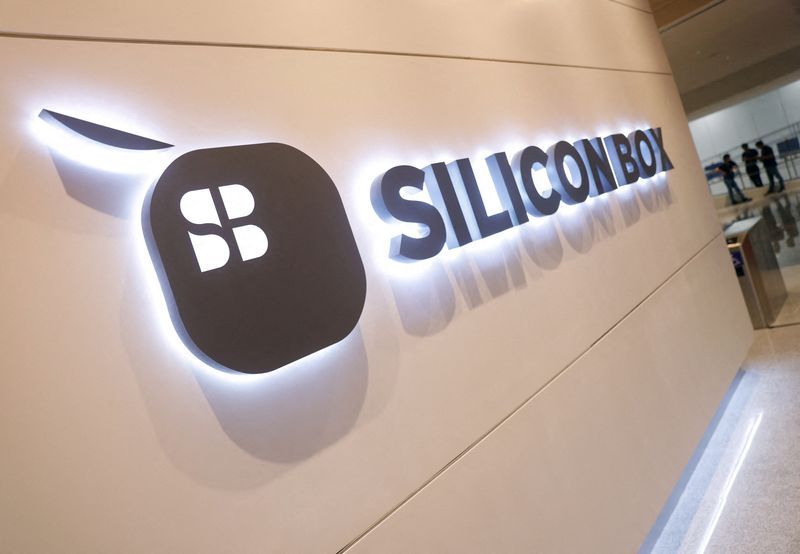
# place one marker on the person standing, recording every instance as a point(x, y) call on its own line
point(750, 159)
point(728, 169)
point(771, 166)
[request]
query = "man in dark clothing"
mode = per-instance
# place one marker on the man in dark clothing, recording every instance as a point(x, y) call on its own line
point(750, 159)
point(728, 168)
point(771, 166)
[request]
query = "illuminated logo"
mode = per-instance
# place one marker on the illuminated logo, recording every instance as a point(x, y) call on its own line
point(457, 214)
point(251, 244)
point(255, 255)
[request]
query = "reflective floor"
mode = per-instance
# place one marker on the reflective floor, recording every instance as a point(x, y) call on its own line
point(741, 492)
point(781, 213)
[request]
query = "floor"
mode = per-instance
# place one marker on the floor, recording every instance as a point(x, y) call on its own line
point(741, 491)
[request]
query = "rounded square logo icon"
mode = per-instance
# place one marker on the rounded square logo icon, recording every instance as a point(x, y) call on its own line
point(255, 255)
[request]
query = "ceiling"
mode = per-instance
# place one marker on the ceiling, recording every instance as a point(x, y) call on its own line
point(722, 49)
point(670, 11)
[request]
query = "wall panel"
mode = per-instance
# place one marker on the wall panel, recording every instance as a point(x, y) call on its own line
point(790, 99)
point(556, 32)
point(596, 452)
point(122, 443)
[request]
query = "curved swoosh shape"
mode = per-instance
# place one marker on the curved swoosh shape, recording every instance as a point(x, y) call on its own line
point(103, 134)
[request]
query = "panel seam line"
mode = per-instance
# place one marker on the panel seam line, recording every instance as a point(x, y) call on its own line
point(525, 402)
point(631, 7)
point(213, 44)
point(691, 15)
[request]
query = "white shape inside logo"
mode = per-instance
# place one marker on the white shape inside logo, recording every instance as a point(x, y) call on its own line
point(251, 240)
point(211, 251)
point(197, 207)
point(238, 201)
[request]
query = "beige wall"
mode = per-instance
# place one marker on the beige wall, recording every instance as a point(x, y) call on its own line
point(540, 391)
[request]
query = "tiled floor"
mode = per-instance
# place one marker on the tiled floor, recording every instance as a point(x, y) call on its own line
point(742, 490)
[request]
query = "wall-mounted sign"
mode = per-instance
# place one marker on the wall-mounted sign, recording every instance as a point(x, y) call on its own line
point(255, 254)
point(458, 216)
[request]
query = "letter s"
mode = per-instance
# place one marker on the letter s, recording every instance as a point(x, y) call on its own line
point(391, 207)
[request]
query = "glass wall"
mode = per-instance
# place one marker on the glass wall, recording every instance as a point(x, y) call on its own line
point(773, 117)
